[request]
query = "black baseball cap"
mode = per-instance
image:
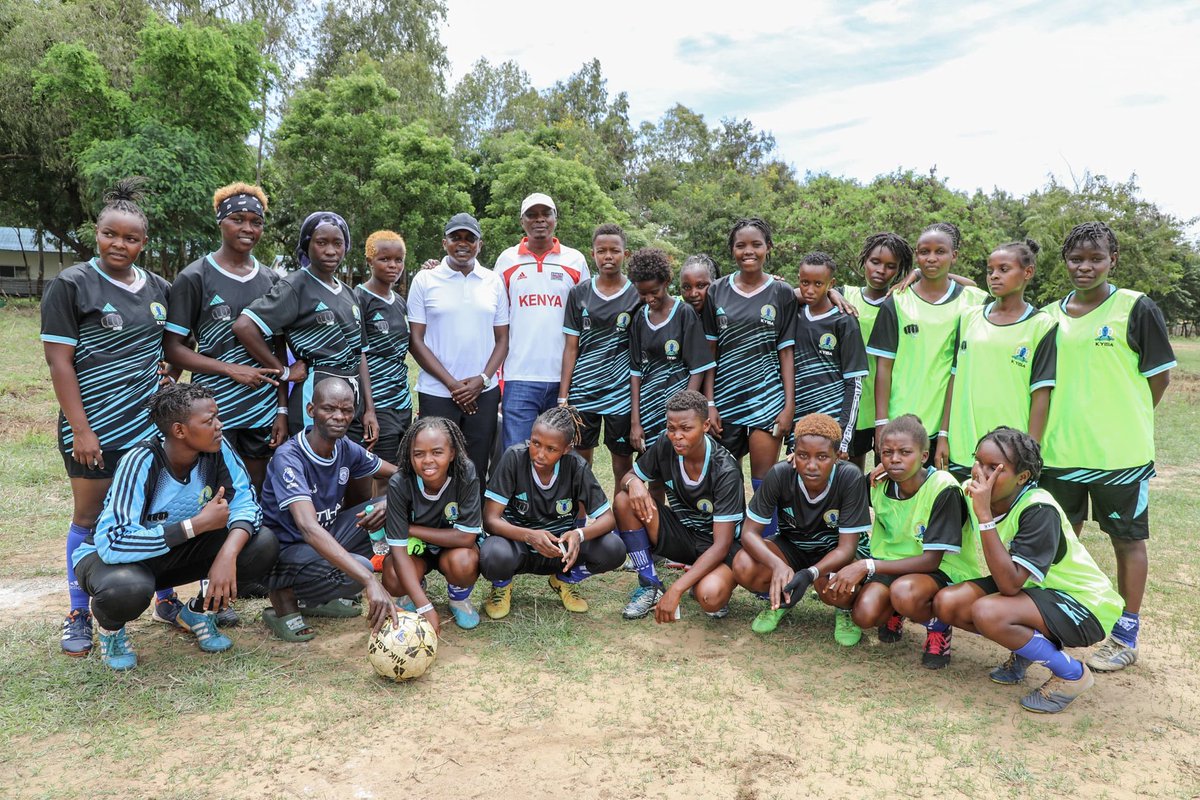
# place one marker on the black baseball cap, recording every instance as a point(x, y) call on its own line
point(463, 222)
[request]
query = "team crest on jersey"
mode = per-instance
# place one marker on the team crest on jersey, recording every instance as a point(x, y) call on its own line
point(325, 317)
point(921, 531)
point(766, 314)
point(587, 320)
point(671, 348)
point(110, 319)
point(357, 313)
point(343, 476)
point(1104, 336)
point(381, 325)
point(827, 342)
point(623, 321)
point(289, 479)
point(722, 319)
point(451, 512)
point(563, 507)
point(206, 494)
point(704, 506)
point(831, 517)
point(220, 312)
point(160, 312)
point(1021, 356)
point(912, 329)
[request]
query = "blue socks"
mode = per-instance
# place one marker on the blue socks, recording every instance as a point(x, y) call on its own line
point(771, 529)
point(164, 594)
point(637, 543)
point(502, 584)
point(1043, 651)
point(576, 574)
point(458, 593)
point(935, 625)
point(1126, 629)
point(79, 598)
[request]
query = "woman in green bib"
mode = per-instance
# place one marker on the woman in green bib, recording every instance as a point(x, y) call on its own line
point(913, 337)
point(1115, 360)
point(918, 542)
point(1044, 592)
point(1004, 364)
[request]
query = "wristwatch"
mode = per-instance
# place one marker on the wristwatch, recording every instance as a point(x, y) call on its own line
point(487, 382)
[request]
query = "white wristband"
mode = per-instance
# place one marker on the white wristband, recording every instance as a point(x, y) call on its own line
point(580, 532)
point(870, 567)
point(562, 401)
point(287, 370)
point(425, 608)
point(816, 573)
point(988, 526)
point(188, 530)
point(281, 410)
point(943, 435)
point(879, 422)
point(711, 404)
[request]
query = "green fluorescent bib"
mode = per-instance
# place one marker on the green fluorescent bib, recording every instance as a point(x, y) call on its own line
point(1075, 573)
point(899, 528)
point(1102, 414)
point(867, 312)
point(925, 354)
point(992, 380)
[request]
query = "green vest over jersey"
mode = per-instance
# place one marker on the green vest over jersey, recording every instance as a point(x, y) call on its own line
point(993, 378)
point(1074, 572)
point(899, 528)
point(867, 312)
point(1102, 415)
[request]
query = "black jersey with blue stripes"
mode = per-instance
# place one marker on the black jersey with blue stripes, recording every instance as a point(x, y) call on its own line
point(386, 323)
point(322, 323)
point(600, 381)
point(750, 330)
point(717, 495)
point(205, 300)
point(116, 330)
point(664, 357)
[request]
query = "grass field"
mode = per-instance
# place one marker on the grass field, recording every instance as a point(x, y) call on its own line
point(585, 706)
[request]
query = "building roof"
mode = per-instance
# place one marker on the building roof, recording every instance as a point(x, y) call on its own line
point(18, 239)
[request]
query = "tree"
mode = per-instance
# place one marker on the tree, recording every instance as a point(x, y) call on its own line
point(492, 100)
point(380, 29)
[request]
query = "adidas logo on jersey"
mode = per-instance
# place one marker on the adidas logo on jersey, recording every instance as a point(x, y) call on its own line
point(216, 300)
point(108, 309)
point(321, 306)
point(1114, 515)
point(377, 316)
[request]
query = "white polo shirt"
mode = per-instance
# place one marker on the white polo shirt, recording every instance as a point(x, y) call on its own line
point(458, 312)
point(537, 299)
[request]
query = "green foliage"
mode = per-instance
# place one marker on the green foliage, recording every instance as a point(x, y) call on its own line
point(582, 205)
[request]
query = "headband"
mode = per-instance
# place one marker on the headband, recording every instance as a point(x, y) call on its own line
point(239, 202)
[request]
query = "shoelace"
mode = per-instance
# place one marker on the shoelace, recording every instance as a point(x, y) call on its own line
point(204, 629)
point(937, 643)
point(496, 596)
point(569, 588)
point(115, 645)
point(895, 623)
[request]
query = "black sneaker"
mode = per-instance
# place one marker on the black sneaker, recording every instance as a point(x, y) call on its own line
point(937, 650)
point(891, 631)
point(77, 633)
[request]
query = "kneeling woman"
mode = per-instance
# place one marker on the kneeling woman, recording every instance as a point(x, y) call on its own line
point(824, 517)
point(433, 520)
point(180, 508)
point(699, 524)
point(918, 545)
point(1045, 592)
point(537, 496)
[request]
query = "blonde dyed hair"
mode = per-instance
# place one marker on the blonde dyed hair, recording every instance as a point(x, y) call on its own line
point(821, 425)
point(374, 240)
point(226, 192)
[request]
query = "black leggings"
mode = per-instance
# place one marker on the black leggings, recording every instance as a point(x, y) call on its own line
point(479, 429)
point(500, 559)
point(121, 592)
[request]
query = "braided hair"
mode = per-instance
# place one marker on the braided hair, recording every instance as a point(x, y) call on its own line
point(1026, 251)
point(124, 197)
point(1094, 232)
point(650, 264)
point(609, 229)
point(894, 242)
point(563, 419)
point(751, 222)
point(702, 260)
point(461, 463)
point(1019, 449)
point(688, 400)
point(949, 229)
point(173, 403)
point(908, 425)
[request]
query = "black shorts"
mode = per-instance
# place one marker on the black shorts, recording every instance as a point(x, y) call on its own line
point(1065, 630)
point(429, 558)
point(959, 472)
point(77, 470)
point(677, 542)
point(862, 443)
point(616, 432)
point(941, 578)
point(736, 438)
point(393, 424)
point(799, 559)
point(249, 443)
point(1123, 510)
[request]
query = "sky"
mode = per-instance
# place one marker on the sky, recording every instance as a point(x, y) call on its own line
point(998, 94)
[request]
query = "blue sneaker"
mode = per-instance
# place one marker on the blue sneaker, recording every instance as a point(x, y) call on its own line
point(465, 615)
point(167, 611)
point(204, 628)
point(77, 633)
point(116, 651)
point(1012, 671)
point(405, 602)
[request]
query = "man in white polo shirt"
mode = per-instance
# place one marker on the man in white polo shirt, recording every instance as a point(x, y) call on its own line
point(458, 321)
point(538, 273)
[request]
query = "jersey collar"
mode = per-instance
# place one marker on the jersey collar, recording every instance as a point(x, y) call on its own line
point(388, 300)
point(523, 249)
point(335, 289)
point(440, 492)
point(683, 476)
point(311, 454)
point(249, 276)
point(132, 288)
point(670, 315)
point(614, 295)
point(824, 492)
point(553, 478)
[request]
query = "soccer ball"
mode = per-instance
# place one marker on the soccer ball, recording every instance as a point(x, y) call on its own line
point(405, 652)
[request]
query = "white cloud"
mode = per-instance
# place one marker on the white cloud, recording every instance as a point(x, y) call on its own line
point(992, 94)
